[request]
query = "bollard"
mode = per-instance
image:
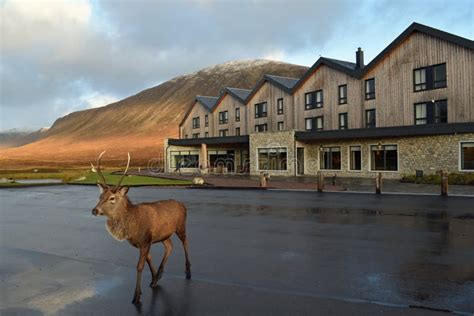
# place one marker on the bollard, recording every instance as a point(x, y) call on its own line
point(334, 180)
point(378, 183)
point(444, 182)
point(320, 181)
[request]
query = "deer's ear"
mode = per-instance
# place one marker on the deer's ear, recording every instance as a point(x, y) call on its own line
point(123, 191)
point(102, 187)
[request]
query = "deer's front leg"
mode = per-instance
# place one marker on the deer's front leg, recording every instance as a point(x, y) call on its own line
point(141, 264)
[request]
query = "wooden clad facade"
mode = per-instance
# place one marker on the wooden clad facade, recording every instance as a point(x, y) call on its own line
point(229, 103)
point(199, 111)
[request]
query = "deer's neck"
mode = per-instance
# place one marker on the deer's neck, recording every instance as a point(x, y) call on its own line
point(121, 226)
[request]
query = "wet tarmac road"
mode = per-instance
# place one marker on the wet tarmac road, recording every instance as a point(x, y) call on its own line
point(252, 252)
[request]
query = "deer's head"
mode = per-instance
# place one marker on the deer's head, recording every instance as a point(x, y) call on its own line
point(112, 198)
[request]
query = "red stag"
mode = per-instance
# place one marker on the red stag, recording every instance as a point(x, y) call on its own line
point(141, 224)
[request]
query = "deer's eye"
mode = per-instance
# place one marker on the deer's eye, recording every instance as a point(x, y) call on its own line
point(112, 198)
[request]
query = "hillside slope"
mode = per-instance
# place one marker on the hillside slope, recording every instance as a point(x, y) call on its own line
point(139, 123)
point(16, 138)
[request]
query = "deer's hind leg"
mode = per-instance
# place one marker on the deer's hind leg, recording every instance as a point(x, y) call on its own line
point(141, 264)
point(182, 236)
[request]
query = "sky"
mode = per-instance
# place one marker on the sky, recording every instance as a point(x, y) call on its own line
point(62, 56)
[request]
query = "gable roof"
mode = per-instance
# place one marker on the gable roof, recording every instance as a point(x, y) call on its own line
point(207, 101)
point(350, 69)
point(240, 94)
point(284, 83)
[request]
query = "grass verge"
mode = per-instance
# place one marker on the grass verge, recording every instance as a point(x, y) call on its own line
point(130, 180)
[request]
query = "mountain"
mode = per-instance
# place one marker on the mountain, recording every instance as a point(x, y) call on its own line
point(139, 123)
point(18, 137)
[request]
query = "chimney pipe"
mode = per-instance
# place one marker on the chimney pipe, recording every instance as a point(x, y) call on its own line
point(359, 58)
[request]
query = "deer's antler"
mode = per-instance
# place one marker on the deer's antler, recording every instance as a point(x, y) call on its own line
point(125, 172)
point(99, 172)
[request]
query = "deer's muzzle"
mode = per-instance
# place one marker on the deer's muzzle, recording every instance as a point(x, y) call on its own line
point(96, 212)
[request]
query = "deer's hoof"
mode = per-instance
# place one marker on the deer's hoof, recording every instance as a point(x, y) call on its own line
point(154, 283)
point(136, 299)
point(188, 275)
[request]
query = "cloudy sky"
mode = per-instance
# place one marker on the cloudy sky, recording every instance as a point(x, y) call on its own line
point(62, 56)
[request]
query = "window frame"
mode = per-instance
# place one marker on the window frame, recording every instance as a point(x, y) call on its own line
point(349, 158)
point(196, 135)
point(398, 157)
point(258, 126)
point(375, 118)
point(342, 100)
point(262, 114)
point(430, 108)
point(196, 122)
point(225, 119)
point(206, 134)
point(272, 170)
point(237, 131)
point(369, 95)
point(315, 118)
point(280, 106)
point(346, 121)
point(460, 156)
point(206, 120)
point(237, 114)
point(282, 125)
point(430, 81)
point(340, 157)
point(224, 131)
point(314, 104)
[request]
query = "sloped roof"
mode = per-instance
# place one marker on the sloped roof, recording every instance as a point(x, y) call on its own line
point(207, 101)
point(240, 94)
point(284, 83)
point(287, 82)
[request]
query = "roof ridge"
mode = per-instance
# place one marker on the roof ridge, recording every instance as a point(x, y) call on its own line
point(282, 77)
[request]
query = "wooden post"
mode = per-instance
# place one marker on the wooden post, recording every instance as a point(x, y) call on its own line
point(378, 183)
point(320, 179)
point(263, 179)
point(334, 180)
point(203, 159)
point(444, 182)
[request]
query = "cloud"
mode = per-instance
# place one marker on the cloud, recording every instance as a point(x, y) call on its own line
point(59, 56)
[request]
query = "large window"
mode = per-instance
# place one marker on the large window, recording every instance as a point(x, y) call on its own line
point(196, 122)
point(313, 100)
point(343, 121)
point(370, 89)
point(280, 106)
point(314, 123)
point(196, 135)
point(261, 109)
point(223, 132)
point(330, 158)
point(370, 118)
point(261, 128)
point(431, 77)
point(272, 159)
point(237, 114)
point(355, 158)
point(185, 159)
point(467, 156)
point(431, 112)
point(343, 94)
point(223, 117)
point(384, 157)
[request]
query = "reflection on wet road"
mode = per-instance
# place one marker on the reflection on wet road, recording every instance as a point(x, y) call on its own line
point(252, 252)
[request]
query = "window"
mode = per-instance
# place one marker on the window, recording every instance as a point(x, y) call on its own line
point(343, 121)
point(280, 126)
point(261, 110)
point(467, 156)
point(384, 158)
point(272, 159)
point(196, 135)
point(261, 128)
point(223, 132)
point(370, 89)
point(280, 106)
point(237, 131)
point(186, 136)
point(428, 78)
point(355, 158)
point(313, 100)
point(431, 112)
point(206, 134)
point(370, 118)
point(206, 120)
point(314, 123)
point(237, 114)
point(196, 122)
point(185, 159)
point(223, 117)
point(330, 158)
point(343, 94)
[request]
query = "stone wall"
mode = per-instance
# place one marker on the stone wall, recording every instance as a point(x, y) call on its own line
point(284, 139)
point(426, 153)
